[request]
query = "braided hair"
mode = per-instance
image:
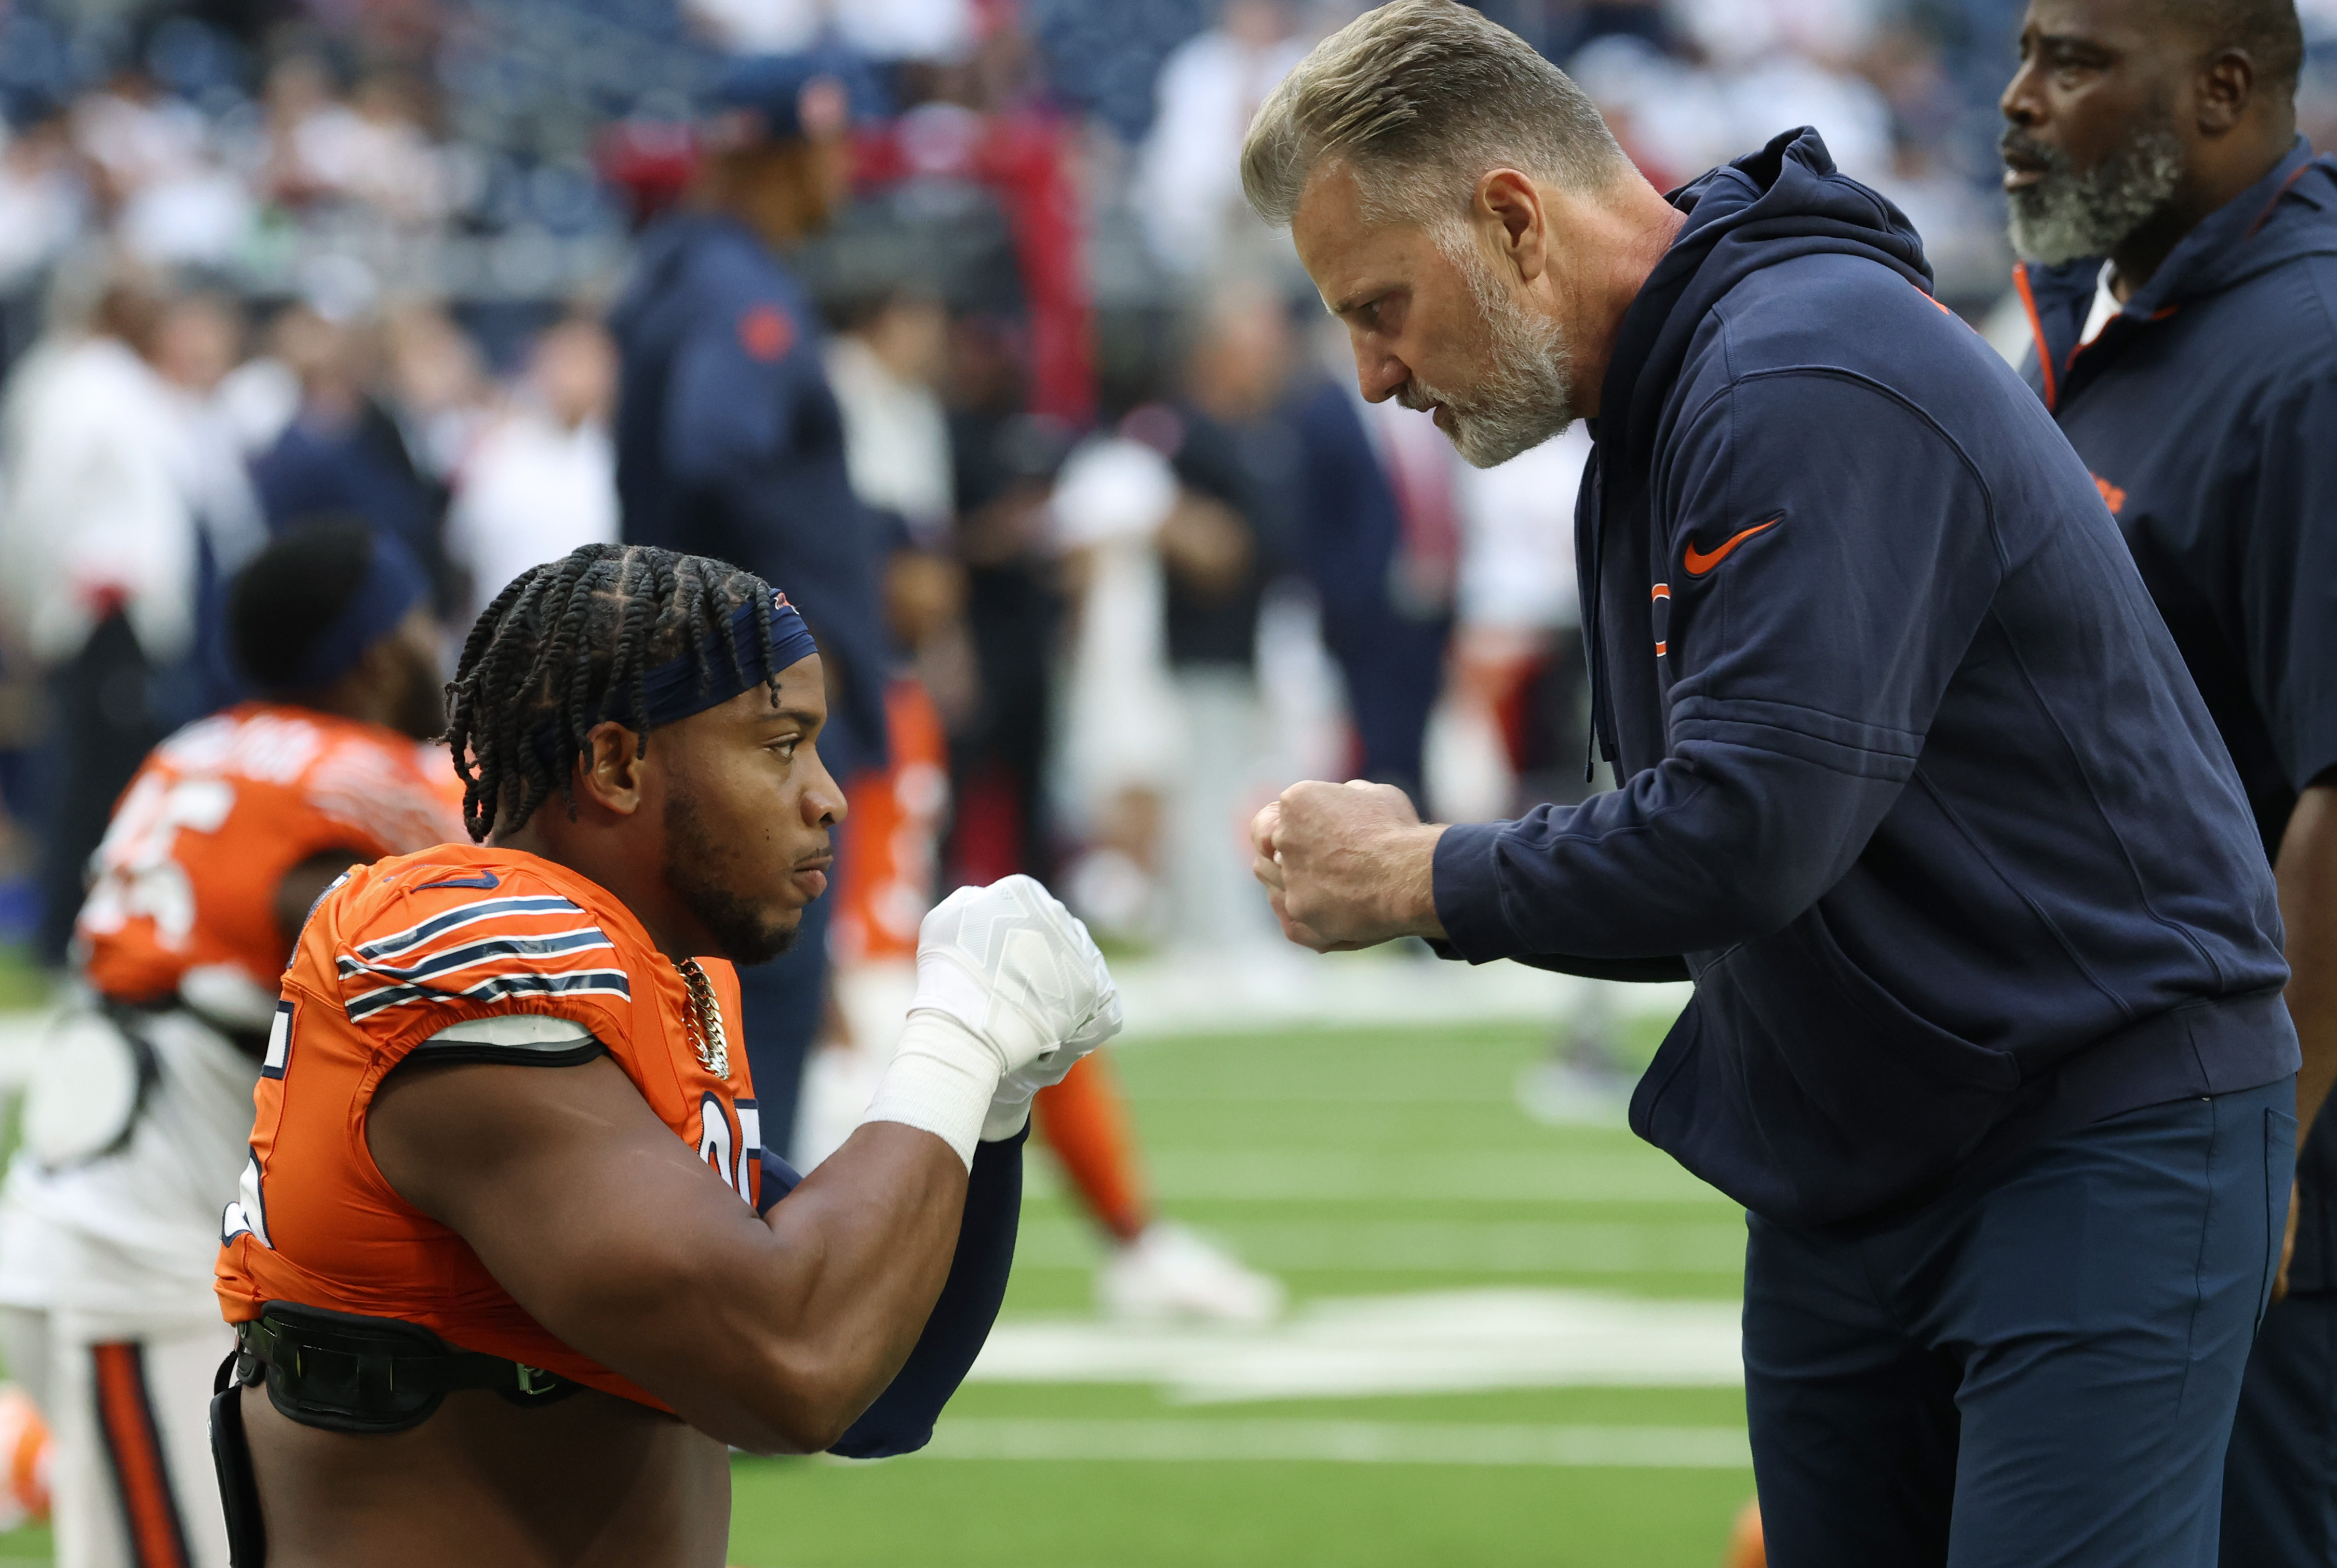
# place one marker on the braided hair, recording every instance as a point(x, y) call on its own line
point(564, 648)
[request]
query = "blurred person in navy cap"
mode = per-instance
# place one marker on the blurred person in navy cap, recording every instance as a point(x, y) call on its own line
point(139, 1100)
point(729, 443)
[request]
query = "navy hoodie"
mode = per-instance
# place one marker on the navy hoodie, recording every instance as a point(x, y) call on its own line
point(1916, 783)
point(2207, 411)
point(729, 444)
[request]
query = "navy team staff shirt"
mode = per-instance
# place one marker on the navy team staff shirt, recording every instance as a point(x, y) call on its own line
point(1917, 788)
point(729, 444)
point(2206, 410)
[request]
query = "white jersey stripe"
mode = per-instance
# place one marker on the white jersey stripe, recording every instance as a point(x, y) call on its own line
point(526, 982)
point(462, 915)
point(582, 940)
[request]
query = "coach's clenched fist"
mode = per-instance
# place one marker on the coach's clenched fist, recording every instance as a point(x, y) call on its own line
point(1347, 865)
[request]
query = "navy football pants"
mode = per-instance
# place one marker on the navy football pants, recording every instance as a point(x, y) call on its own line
point(2041, 1375)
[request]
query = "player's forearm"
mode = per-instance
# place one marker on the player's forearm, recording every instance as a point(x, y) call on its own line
point(902, 1420)
point(861, 1251)
point(2307, 873)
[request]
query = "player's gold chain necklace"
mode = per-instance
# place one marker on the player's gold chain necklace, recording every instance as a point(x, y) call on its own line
point(706, 1035)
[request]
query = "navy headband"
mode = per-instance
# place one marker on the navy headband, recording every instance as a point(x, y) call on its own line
point(732, 663)
point(671, 691)
point(392, 586)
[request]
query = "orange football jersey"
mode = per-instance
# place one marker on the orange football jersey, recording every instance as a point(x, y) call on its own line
point(462, 953)
point(215, 816)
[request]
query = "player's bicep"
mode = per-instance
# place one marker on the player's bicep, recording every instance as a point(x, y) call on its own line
point(580, 1201)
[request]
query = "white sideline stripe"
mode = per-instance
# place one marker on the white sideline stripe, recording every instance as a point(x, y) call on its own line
point(1345, 1443)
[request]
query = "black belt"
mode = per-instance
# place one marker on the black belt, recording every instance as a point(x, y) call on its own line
point(350, 1373)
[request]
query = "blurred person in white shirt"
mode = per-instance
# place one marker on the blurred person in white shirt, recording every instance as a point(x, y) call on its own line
point(936, 30)
point(1770, 65)
point(171, 198)
point(43, 202)
point(541, 478)
point(100, 545)
point(889, 355)
point(369, 148)
point(198, 344)
point(886, 363)
point(1518, 620)
point(1188, 183)
point(1520, 703)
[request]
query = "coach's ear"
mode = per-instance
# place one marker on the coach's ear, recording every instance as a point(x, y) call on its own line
point(609, 772)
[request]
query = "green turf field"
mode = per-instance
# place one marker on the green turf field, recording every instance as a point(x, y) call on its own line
point(1413, 1209)
point(1301, 1150)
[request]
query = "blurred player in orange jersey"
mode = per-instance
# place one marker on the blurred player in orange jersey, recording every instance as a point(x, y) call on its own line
point(1157, 1268)
point(508, 1264)
point(139, 1105)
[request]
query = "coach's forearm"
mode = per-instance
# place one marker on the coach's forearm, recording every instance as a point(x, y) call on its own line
point(1716, 844)
point(2307, 873)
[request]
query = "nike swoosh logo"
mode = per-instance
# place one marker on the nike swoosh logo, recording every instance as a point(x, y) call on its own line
point(1698, 562)
point(484, 879)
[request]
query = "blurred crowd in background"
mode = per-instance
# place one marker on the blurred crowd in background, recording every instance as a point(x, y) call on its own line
point(1149, 557)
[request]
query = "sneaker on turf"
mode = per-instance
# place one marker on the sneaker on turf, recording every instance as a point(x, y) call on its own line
point(1168, 1273)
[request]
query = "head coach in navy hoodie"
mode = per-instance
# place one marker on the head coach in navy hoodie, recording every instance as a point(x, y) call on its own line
point(1988, 1034)
point(2182, 286)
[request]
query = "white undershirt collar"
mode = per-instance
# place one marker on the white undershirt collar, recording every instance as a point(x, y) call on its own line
point(2106, 306)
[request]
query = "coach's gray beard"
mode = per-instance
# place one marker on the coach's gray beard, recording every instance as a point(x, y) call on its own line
point(1526, 394)
point(2067, 215)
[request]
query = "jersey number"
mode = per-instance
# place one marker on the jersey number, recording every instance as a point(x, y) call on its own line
point(138, 872)
point(736, 1153)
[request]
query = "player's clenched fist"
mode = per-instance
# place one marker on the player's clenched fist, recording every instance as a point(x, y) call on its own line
point(1010, 992)
point(1347, 865)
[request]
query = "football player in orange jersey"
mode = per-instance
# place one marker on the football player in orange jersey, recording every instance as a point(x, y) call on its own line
point(141, 1103)
point(508, 1265)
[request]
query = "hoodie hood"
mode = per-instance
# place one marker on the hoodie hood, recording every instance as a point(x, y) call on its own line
point(1784, 201)
point(2290, 212)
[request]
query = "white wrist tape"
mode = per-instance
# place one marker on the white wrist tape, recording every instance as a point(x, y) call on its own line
point(1005, 1120)
point(942, 1079)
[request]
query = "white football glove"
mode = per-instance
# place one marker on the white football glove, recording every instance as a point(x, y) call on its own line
point(1010, 992)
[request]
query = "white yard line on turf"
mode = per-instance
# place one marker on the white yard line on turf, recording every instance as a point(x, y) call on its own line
point(1251, 990)
point(1629, 1175)
point(1444, 1341)
point(1343, 1442)
point(1432, 1246)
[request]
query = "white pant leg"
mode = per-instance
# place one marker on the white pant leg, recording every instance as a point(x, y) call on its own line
point(1216, 904)
point(25, 1341)
point(133, 1481)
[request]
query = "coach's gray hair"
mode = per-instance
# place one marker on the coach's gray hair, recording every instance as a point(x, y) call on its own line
point(1419, 98)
